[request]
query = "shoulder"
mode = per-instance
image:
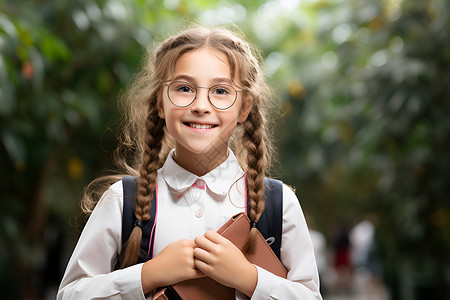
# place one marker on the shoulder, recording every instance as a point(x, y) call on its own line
point(113, 196)
point(290, 202)
point(293, 216)
point(288, 192)
point(116, 188)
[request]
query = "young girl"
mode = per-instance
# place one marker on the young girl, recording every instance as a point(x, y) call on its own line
point(200, 99)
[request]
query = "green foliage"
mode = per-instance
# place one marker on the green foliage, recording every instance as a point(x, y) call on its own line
point(370, 121)
point(364, 94)
point(62, 65)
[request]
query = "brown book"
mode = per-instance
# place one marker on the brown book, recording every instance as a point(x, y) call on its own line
point(236, 230)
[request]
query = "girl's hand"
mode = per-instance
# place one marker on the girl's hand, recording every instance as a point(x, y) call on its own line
point(221, 260)
point(173, 264)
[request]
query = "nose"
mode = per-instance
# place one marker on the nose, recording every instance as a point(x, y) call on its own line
point(201, 104)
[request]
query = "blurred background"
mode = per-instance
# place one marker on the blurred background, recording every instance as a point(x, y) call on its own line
point(363, 90)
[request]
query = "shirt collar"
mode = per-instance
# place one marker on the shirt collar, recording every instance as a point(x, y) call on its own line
point(218, 180)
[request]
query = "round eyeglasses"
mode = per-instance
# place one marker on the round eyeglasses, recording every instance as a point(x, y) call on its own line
point(183, 94)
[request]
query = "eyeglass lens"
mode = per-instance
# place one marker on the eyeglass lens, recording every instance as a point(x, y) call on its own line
point(221, 96)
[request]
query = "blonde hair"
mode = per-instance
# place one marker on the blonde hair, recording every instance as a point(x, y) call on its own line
point(145, 139)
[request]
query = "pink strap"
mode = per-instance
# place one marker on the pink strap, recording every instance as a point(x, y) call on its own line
point(245, 192)
point(154, 223)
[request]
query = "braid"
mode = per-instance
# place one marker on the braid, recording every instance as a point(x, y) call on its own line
point(146, 183)
point(254, 143)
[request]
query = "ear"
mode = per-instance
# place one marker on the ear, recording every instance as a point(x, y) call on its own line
point(245, 109)
point(161, 113)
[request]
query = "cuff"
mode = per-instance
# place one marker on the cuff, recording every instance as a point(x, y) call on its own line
point(129, 283)
point(265, 284)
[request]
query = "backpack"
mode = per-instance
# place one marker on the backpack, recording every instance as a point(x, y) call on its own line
point(270, 223)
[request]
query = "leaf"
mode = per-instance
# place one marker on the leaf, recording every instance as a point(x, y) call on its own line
point(15, 146)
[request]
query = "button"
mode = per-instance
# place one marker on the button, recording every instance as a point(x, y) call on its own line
point(200, 184)
point(199, 214)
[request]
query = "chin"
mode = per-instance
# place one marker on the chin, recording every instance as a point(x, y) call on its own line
point(199, 149)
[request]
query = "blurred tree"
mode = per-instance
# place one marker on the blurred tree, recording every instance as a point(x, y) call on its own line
point(62, 63)
point(367, 106)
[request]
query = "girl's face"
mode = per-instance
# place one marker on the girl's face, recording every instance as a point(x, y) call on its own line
point(200, 128)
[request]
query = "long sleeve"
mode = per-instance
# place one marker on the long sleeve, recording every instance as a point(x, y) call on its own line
point(89, 273)
point(297, 255)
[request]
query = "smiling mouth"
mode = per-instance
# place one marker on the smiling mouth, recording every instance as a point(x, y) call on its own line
point(200, 126)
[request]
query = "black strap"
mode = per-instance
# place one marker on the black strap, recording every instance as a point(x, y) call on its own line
point(270, 224)
point(129, 184)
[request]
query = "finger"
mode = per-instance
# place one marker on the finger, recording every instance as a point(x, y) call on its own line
point(202, 255)
point(202, 242)
point(188, 243)
point(214, 237)
point(203, 266)
point(217, 239)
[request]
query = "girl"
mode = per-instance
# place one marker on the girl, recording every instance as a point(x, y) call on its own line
point(203, 94)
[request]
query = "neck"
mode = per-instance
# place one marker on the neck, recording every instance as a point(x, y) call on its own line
point(201, 163)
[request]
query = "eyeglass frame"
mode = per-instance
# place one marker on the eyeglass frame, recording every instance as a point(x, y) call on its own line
point(201, 87)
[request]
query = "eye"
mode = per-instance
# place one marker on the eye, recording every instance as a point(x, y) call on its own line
point(182, 87)
point(185, 89)
point(221, 90)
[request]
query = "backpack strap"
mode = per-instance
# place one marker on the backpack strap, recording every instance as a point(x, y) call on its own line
point(130, 187)
point(270, 223)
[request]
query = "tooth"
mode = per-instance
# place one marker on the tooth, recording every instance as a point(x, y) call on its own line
point(199, 126)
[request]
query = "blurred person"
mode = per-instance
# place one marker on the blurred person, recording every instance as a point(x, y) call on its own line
point(319, 243)
point(365, 259)
point(362, 239)
point(342, 263)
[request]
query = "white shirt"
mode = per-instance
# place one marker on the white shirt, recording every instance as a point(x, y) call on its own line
point(187, 206)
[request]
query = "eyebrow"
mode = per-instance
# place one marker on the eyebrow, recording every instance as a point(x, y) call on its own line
point(193, 80)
